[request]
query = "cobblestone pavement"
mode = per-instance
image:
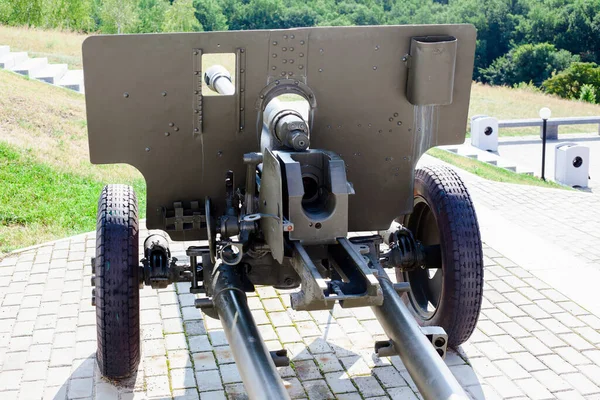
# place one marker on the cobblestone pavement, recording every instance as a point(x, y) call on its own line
point(532, 340)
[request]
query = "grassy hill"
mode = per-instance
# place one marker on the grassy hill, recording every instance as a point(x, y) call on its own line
point(48, 188)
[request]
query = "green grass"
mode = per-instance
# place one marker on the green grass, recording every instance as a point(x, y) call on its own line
point(492, 172)
point(38, 202)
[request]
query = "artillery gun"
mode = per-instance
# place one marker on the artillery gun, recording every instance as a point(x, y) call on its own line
point(273, 190)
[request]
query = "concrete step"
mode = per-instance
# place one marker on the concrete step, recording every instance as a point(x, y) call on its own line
point(9, 60)
point(73, 80)
point(30, 66)
point(4, 50)
point(52, 73)
point(466, 150)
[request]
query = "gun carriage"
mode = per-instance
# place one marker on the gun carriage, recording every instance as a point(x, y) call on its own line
point(274, 188)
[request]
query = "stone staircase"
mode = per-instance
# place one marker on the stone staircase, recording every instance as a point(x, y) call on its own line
point(40, 69)
point(466, 150)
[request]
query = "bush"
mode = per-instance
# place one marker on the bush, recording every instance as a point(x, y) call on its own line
point(568, 83)
point(588, 94)
point(527, 63)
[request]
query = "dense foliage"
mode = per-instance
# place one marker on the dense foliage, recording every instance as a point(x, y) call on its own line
point(518, 40)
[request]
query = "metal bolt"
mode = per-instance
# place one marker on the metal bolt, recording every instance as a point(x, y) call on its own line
point(196, 92)
point(273, 68)
point(274, 55)
point(241, 108)
point(395, 114)
point(377, 47)
point(374, 67)
point(301, 54)
point(147, 148)
point(171, 124)
point(220, 153)
point(176, 129)
point(195, 52)
point(291, 49)
point(284, 61)
point(167, 134)
point(285, 36)
point(283, 73)
point(399, 123)
point(274, 43)
point(196, 130)
point(242, 71)
point(292, 37)
point(291, 61)
point(391, 119)
point(164, 93)
point(196, 111)
point(242, 50)
point(320, 69)
point(196, 72)
point(302, 42)
point(284, 49)
point(300, 66)
point(126, 95)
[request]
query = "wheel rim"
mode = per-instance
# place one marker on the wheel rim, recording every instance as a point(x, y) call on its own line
point(426, 283)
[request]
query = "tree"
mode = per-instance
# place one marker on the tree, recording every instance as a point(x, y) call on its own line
point(180, 17)
point(118, 16)
point(27, 12)
point(6, 10)
point(210, 15)
point(568, 83)
point(525, 63)
point(257, 14)
point(151, 15)
point(68, 14)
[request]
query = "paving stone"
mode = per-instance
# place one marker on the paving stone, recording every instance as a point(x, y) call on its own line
point(390, 377)
point(535, 346)
point(529, 362)
point(208, 380)
point(577, 342)
point(11, 380)
point(307, 370)
point(512, 369)
point(581, 383)
point(402, 393)
point(339, 382)
point(80, 388)
point(204, 361)
point(182, 378)
point(504, 386)
point(328, 363)
point(317, 390)
point(533, 389)
point(557, 364)
point(157, 386)
point(214, 395)
point(368, 386)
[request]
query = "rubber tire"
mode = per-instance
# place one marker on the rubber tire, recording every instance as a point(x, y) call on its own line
point(117, 287)
point(462, 255)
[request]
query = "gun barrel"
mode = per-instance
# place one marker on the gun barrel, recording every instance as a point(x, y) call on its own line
point(218, 79)
point(425, 366)
point(260, 377)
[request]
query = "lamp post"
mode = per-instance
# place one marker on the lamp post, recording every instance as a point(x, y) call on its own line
point(545, 113)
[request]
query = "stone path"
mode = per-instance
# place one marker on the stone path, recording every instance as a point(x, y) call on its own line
point(538, 336)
